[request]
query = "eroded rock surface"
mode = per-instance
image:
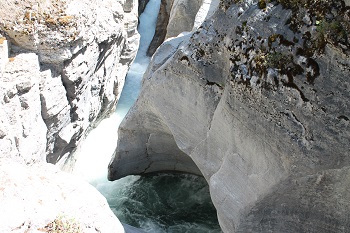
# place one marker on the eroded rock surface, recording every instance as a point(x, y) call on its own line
point(258, 99)
point(33, 197)
point(22, 128)
point(83, 51)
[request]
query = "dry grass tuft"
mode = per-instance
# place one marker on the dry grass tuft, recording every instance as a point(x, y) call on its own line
point(63, 224)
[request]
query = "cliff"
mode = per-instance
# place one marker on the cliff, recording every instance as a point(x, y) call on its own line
point(68, 60)
point(257, 101)
point(62, 66)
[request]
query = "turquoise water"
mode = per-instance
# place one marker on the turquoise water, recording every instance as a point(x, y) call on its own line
point(169, 203)
point(162, 203)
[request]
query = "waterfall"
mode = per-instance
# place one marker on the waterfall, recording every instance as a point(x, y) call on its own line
point(157, 204)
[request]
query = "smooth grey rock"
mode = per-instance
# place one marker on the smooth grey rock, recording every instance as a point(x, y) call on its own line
point(182, 16)
point(275, 154)
point(206, 10)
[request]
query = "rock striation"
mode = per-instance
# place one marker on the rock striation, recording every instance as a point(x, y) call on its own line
point(68, 61)
point(39, 197)
point(257, 101)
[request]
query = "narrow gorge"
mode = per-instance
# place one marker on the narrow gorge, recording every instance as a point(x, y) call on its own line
point(250, 97)
point(257, 99)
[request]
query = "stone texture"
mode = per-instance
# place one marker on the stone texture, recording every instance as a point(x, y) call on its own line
point(261, 111)
point(4, 53)
point(34, 196)
point(180, 16)
point(206, 10)
point(22, 129)
point(84, 49)
point(161, 27)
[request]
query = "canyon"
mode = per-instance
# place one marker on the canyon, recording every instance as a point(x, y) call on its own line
point(252, 95)
point(256, 100)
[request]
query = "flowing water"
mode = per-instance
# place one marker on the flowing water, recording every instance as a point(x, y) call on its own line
point(163, 203)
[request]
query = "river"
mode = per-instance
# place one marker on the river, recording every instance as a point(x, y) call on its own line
point(162, 203)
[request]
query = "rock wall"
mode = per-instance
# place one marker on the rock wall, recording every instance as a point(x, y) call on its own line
point(182, 15)
point(66, 72)
point(178, 16)
point(257, 101)
point(22, 128)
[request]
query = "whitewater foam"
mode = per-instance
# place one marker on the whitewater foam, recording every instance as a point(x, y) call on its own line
point(157, 204)
point(98, 148)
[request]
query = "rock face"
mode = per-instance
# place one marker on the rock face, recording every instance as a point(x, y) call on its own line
point(33, 197)
point(177, 16)
point(182, 15)
point(142, 6)
point(22, 128)
point(83, 51)
point(62, 67)
point(257, 101)
point(161, 27)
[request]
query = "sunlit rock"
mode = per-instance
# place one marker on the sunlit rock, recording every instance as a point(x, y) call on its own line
point(83, 52)
point(38, 197)
point(258, 99)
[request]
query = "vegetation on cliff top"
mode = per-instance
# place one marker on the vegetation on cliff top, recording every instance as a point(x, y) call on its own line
point(288, 56)
point(30, 17)
point(330, 17)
